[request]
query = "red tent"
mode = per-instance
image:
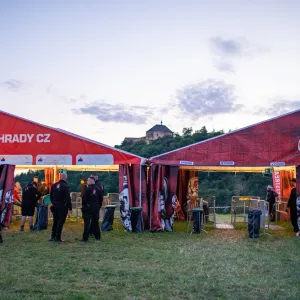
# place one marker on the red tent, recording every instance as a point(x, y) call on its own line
point(272, 143)
point(25, 143)
point(275, 142)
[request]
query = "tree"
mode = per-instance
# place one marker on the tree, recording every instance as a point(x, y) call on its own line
point(187, 131)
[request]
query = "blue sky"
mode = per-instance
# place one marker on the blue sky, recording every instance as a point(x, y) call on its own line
point(110, 69)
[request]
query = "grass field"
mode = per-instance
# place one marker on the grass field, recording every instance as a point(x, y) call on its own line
point(221, 265)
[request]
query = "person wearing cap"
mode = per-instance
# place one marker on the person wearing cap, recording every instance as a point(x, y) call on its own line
point(30, 197)
point(292, 205)
point(61, 204)
point(271, 199)
point(91, 204)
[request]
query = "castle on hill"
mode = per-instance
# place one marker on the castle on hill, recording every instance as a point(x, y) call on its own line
point(154, 133)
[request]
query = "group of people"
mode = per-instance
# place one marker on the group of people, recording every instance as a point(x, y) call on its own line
point(92, 198)
point(292, 205)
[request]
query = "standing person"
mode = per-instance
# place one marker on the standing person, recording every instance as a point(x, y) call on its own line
point(271, 199)
point(292, 205)
point(44, 188)
point(98, 183)
point(61, 203)
point(83, 185)
point(100, 186)
point(91, 204)
point(29, 200)
point(19, 188)
point(36, 180)
point(16, 193)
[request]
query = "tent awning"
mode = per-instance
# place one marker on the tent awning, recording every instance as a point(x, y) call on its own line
point(25, 143)
point(273, 143)
point(236, 169)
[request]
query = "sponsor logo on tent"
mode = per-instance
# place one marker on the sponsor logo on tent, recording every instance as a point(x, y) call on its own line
point(186, 163)
point(16, 159)
point(277, 183)
point(277, 164)
point(94, 159)
point(25, 138)
point(226, 163)
point(58, 159)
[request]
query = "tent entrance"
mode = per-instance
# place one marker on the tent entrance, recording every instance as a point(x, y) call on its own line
point(189, 189)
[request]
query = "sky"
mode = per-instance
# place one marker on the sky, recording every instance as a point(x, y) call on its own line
point(110, 69)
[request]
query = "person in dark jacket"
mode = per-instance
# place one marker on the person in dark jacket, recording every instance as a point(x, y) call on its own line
point(292, 205)
point(271, 199)
point(61, 204)
point(100, 186)
point(98, 183)
point(91, 204)
point(30, 197)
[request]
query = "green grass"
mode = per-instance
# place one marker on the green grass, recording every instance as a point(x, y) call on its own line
point(221, 265)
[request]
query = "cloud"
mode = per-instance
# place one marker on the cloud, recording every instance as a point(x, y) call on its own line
point(13, 84)
point(225, 67)
point(226, 47)
point(205, 98)
point(278, 107)
point(234, 48)
point(118, 113)
point(228, 50)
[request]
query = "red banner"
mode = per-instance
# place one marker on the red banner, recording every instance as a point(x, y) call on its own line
point(23, 142)
point(282, 183)
point(6, 194)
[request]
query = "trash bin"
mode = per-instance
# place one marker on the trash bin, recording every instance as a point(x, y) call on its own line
point(197, 217)
point(108, 219)
point(137, 219)
point(41, 221)
point(254, 223)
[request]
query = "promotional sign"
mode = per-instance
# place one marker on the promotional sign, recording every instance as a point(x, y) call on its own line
point(16, 159)
point(226, 163)
point(54, 159)
point(277, 182)
point(94, 159)
point(277, 164)
point(186, 163)
point(25, 138)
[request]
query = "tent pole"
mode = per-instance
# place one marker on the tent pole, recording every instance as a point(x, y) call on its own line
point(54, 177)
point(140, 196)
